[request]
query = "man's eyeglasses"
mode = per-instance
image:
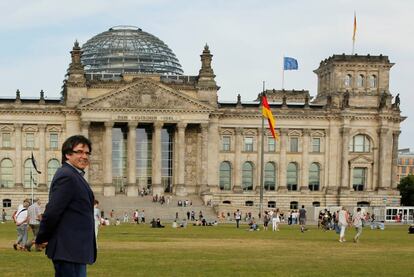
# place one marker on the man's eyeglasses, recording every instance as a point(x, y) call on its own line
point(80, 152)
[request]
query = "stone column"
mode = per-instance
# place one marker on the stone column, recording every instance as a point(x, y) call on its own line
point(332, 158)
point(204, 159)
point(157, 187)
point(85, 133)
point(85, 128)
point(384, 158)
point(345, 184)
point(41, 186)
point(305, 161)
point(394, 172)
point(213, 150)
point(237, 156)
point(132, 188)
point(181, 189)
point(18, 143)
point(283, 162)
point(109, 188)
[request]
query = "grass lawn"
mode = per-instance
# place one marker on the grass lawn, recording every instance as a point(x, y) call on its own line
point(137, 250)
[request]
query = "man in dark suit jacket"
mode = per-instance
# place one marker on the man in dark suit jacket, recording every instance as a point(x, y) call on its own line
point(67, 226)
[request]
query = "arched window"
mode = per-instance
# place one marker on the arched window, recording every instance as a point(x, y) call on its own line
point(373, 81)
point(360, 80)
point(28, 168)
point(6, 174)
point(270, 176)
point(294, 205)
point(314, 176)
point(52, 166)
point(348, 80)
point(225, 176)
point(292, 176)
point(247, 176)
point(360, 143)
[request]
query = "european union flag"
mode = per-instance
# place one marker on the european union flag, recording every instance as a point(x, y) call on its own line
point(290, 63)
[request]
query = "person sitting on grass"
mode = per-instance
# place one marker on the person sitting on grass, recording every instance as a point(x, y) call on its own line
point(153, 223)
point(159, 225)
point(253, 225)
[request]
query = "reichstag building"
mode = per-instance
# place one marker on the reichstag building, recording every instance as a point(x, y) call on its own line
point(154, 128)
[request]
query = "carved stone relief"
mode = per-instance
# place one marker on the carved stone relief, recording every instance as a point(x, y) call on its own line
point(143, 95)
point(191, 154)
point(95, 169)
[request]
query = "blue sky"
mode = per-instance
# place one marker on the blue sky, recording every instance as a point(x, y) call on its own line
point(247, 38)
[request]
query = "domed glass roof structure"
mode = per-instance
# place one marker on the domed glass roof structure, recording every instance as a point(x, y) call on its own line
point(128, 49)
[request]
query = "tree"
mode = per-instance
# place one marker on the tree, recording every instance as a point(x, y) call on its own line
point(406, 188)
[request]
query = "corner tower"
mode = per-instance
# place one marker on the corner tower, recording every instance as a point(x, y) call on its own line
point(358, 81)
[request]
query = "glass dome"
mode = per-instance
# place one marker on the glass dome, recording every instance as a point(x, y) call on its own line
point(128, 49)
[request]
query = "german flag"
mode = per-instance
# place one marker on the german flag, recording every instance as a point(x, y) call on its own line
point(267, 113)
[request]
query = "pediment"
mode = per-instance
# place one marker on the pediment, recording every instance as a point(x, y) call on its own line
point(29, 129)
point(146, 94)
point(318, 133)
point(361, 160)
point(295, 133)
point(226, 132)
point(6, 128)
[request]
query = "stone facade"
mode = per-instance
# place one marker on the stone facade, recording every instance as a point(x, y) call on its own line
point(339, 149)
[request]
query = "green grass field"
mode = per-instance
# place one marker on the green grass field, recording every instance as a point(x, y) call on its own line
point(137, 250)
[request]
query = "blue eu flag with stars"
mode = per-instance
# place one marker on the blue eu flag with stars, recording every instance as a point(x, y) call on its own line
point(290, 63)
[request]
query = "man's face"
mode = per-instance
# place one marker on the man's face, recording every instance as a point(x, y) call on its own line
point(79, 157)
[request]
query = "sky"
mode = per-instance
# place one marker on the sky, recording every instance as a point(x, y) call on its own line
point(248, 40)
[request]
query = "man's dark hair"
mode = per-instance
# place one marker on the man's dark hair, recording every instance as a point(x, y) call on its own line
point(71, 142)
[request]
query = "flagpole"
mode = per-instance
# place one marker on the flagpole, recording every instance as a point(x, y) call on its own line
point(262, 155)
point(31, 183)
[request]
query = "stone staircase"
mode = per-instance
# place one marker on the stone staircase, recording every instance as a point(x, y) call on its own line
point(166, 212)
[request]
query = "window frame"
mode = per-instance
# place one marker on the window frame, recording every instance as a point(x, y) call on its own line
point(318, 150)
point(226, 147)
point(54, 144)
point(30, 140)
point(248, 147)
point(6, 143)
point(292, 147)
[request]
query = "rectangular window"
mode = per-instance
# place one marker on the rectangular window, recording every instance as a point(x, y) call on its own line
point(294, 145)
point(226, 143)
point(271, 144)
point(359, 178)
point(54, 144)
point(316, 145)
point(248, 144)
point(30, 140)
point(6, 140)
point(403, 170)
point(407, 161)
